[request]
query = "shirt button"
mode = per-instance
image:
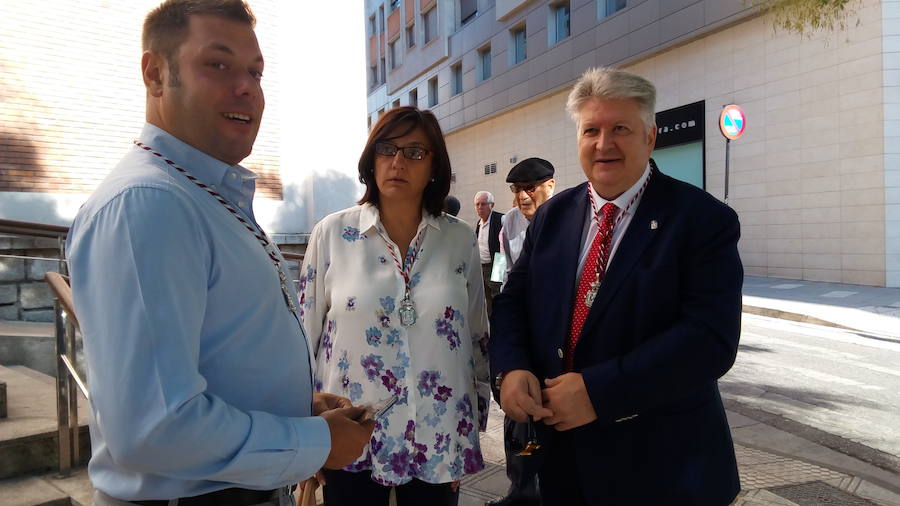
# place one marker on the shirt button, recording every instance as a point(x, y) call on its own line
point(232, 175)
point(241, 203)
point(559, 352)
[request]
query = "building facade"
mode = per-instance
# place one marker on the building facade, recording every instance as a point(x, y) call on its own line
point(815, 179)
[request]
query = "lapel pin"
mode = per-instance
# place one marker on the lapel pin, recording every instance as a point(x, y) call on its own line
point(653, 225)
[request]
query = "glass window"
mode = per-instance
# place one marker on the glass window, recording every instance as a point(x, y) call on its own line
point(393, 5)
point(414, 97)
point(383, 78)
point(456, 72)
point(392, 53)
point(467, 10)
point(432, 92)
point(411, 35)
point(610, 7)
point(381, 19)
point(484, 63)
point(519, 52)
point(430, 19)
point(562, 15)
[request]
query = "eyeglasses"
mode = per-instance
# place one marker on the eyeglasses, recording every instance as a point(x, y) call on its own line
point(409, 152)
point(528, 188)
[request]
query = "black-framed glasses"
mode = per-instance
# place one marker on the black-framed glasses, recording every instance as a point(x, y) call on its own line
point(409, 152)
point(528, 188)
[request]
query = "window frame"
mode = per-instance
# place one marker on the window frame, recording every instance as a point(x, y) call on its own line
point(514, 58)
point(426, 30)
point(432, 92)
point(603, 8)
point(485, 66)
point(456, 79)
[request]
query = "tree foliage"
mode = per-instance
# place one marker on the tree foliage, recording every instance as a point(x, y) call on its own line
point(807, 16)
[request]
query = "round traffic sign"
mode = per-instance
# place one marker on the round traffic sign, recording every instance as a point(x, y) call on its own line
point(732, 122)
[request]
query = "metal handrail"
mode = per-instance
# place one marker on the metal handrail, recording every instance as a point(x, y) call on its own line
point(67, 377)
point(32, 229)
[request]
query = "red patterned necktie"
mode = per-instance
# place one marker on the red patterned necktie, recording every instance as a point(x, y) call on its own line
point(593, 272)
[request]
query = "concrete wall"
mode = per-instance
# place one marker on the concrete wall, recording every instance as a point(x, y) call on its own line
point(807, 179)
point(24, 295)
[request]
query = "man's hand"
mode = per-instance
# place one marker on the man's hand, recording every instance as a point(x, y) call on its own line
point(348, 437)
point(567, 397)
point(322, 402)
point(520, 396)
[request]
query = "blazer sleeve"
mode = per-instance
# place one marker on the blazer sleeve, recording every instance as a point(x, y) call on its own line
point(701, 343)
point(510, 322)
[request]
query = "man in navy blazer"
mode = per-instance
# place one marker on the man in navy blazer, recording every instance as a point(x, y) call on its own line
point(628, 400)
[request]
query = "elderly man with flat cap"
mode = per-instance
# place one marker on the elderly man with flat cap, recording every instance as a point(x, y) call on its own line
point(532, 183)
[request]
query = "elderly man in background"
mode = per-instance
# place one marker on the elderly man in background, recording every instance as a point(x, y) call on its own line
point(487, 232)
point(619, 317)
point(531, 182)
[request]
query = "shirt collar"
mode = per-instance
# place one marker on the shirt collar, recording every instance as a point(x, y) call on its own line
point(207, 169)
point(624, 199)
point(369, 218)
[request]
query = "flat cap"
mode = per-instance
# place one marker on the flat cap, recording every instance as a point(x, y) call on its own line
point(530, 169)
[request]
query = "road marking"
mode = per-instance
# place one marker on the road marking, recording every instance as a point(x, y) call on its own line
point(838, 294)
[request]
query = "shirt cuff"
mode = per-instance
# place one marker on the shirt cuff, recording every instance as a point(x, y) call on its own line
point(313, 446)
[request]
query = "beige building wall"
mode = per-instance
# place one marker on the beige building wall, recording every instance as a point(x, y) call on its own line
point(808, 177)
point(891, 57)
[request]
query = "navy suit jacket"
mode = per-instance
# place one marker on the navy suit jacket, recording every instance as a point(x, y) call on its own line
point(664, 327)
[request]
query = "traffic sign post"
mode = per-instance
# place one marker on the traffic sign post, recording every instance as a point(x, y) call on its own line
point(732, 123)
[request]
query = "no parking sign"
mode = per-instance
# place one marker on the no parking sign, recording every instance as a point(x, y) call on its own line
point(732, 122)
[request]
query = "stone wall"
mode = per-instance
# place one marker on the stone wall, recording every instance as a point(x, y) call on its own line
point(24, 295)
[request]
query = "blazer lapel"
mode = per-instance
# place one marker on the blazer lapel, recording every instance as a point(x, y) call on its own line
point(638, 237)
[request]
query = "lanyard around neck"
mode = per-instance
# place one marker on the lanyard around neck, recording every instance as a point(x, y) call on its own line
point(257, 232)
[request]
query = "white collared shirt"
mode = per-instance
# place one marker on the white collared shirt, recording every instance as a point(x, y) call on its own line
point(590, 224)
point(484, 248)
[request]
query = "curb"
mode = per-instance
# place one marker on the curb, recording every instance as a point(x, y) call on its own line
point(796, 317)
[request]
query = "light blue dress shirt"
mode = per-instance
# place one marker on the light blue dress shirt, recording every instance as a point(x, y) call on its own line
point(199, 374)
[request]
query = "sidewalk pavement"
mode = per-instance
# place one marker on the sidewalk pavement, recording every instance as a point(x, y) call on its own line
point(776, 467)
point(868, 309)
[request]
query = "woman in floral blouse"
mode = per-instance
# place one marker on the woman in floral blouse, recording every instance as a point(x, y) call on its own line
point(392, 299)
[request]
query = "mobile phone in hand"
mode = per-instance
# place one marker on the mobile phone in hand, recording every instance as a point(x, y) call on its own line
point(378, 409)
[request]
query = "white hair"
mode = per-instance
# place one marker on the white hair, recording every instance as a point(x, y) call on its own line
point(614, 84)
point(490, 198)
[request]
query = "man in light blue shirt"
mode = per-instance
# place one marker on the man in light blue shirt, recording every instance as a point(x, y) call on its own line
point(199, 371)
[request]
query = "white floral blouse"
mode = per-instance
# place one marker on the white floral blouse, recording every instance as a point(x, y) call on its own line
point(350, 290)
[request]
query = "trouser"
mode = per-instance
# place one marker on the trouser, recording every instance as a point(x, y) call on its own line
point(521, 470)
point(491, 288)
point(343, 488)
point(282, 497)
